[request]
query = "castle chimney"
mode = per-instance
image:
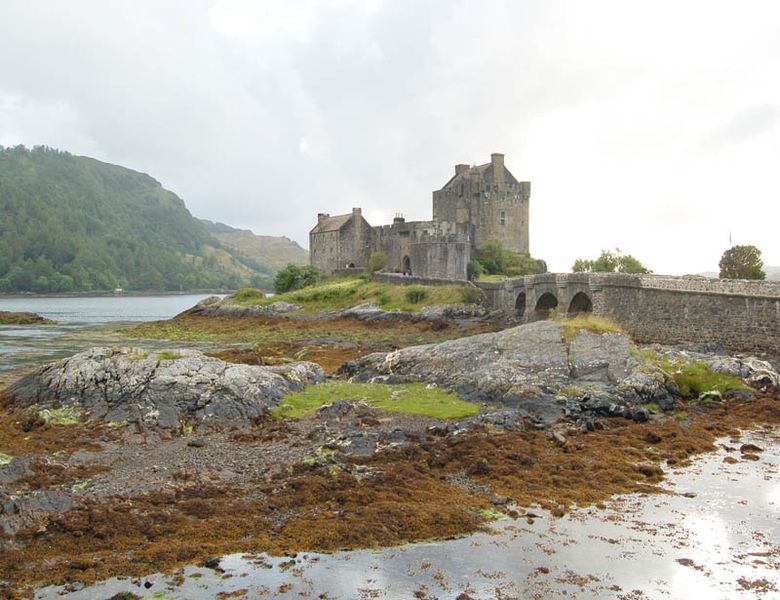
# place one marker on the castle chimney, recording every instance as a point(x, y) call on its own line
point(461, 169)
point(321, 217)
point(498, 167)
point(356, 212)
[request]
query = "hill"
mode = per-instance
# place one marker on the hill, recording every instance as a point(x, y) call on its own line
point(72, 223)
point(276, 252)
point(772, 273)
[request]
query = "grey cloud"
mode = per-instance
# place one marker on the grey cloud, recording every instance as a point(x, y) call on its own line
point(746, 124)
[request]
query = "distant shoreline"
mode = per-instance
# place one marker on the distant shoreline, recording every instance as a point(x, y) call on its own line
point(129, 294)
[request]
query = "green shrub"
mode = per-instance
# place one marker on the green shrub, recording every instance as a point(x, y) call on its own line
point(383, 298)
point(474, 269)
point(496, 259)
point(293, 277)
point(415, 294)
point(377, 262)
point(470, 294)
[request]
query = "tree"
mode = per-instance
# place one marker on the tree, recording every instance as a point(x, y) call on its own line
point(609, 262)
point(495, 257)
point(293, 277)
point(742, 262)
point(376, 262)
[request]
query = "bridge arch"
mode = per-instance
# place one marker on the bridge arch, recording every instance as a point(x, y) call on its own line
point(544, 305)
point(520, 305)
point(580, 303)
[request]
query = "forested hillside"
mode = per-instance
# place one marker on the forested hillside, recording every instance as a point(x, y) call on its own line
point(71, 223)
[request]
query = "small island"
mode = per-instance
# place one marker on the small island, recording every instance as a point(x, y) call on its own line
point(23, 318)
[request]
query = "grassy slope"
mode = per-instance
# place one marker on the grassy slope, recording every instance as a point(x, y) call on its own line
point(341, 293)
point(276, 252)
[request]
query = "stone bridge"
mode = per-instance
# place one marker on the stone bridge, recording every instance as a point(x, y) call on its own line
point(740, 315)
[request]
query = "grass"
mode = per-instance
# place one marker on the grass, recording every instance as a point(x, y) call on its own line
point(67, 415)
point(338, 293)
point(411, 399)
point(248, 296)
point(169, 356)
point(693, 378)
point(5, 459)
point(573, 325)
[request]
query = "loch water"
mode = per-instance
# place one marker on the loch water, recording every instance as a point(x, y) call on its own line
point(82, 322)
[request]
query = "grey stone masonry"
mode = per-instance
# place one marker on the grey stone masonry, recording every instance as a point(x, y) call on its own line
point(740, 315)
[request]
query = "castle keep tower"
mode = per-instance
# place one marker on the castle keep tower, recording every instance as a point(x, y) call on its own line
point(487, 203)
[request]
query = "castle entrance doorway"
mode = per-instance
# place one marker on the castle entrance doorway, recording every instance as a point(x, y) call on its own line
point(406, 266)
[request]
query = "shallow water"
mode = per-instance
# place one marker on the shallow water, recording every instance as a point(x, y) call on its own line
point(722, 543)
point(103, 309)
point(82, 323)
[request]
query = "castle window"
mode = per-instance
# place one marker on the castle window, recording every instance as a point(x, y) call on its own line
point(503, 217)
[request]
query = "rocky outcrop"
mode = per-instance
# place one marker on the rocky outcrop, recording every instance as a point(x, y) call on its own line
point(161, 389)
point(214, 306)
point(370, 311)
point(531, 367)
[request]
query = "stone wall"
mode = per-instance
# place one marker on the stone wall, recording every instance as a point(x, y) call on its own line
point(399, 279)
point(440, 259)
point(395, 240)
point(323, 251)
point(740, 315)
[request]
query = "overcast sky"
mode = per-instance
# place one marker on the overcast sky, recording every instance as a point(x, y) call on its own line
point(650, 126)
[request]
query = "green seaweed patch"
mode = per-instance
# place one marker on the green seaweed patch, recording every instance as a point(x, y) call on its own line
point(66, 415)
point(5, 459)
point(410, 398)
point(491, 514)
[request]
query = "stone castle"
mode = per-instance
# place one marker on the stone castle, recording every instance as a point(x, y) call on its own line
point(477, 204)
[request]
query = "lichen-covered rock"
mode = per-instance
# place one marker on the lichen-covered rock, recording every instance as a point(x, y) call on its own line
point(453, 311)
point(161, 389)
point(530, 367)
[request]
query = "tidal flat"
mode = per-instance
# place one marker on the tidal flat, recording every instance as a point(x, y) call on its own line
point(712, 530)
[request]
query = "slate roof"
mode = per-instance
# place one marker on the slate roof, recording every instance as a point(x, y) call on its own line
point(333, 223)
point(484, 172)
